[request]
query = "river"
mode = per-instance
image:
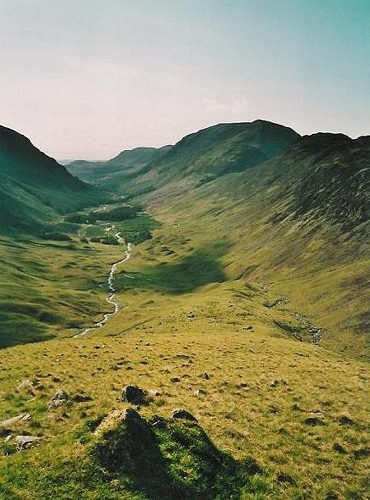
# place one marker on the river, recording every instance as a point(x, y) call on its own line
point(111, 299)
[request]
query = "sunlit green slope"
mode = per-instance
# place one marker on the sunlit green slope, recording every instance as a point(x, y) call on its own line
point(298, 223)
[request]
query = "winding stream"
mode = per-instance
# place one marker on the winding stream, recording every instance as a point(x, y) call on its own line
point(111, 299)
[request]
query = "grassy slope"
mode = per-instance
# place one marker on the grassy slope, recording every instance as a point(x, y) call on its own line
point(54, 288)
point(263, 384)
point(19, 208)
point(298, 410)
point(51, 288)
point(318, 259)
point(34, 186)
point(261, 390)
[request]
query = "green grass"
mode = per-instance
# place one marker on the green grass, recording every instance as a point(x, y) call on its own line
point(322, 271)
point(258, 395)
point(50, 288)
point(55, 285)
point(182, 275)
point(211, 310)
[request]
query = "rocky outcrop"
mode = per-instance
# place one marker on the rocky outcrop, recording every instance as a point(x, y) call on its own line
point(133, 394)
point(60, 398)
point(156, 455)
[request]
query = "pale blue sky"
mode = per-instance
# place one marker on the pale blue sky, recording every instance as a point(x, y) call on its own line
point(89, 78)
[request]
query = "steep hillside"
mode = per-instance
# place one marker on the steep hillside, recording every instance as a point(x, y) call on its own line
point(213, 152)
point(115, 173)
point(34, 185)
point(298, 223)
point(214, 377)
point(337, 184)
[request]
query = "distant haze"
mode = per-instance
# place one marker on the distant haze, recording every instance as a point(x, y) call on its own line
point(89, 78)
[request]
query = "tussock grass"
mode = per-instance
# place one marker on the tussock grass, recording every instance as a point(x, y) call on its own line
point(215, 331)
point(322, 270)
point(252, 393)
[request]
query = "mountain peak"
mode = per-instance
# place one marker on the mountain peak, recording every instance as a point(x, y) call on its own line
point(225, 148)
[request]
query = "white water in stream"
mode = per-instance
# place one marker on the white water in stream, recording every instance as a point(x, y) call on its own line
point(111, 299)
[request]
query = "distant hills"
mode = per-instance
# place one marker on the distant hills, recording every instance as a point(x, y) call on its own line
point(115, 172)
point(323, 174)
point(33, 186)
point(288, 210)
point(196, 159)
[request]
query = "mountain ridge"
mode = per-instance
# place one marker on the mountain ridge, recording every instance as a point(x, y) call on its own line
point(245, 304)
point(206, 154)
point(34, 186)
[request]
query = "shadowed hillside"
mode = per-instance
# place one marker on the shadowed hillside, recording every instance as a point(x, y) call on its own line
point(198, 158)
point(34, 186)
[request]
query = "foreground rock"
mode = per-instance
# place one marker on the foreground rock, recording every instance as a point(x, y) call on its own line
point(133, 394)
point(126, 440)
point(23, 417)
point(165, 458)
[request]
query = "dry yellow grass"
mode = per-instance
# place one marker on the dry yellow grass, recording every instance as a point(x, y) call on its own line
point(252, 391)
point(223, 351)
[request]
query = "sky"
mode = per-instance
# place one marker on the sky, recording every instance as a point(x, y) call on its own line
point(86, 79)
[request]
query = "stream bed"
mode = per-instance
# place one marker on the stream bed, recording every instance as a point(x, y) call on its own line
point(111, 299)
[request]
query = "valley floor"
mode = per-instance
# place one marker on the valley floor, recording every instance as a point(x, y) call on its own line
point(290, 415)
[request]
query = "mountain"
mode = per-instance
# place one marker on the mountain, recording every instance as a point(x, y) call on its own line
point(197, 158)
point(232, 361)
point(299, 223)
point(115, 172)
point(224, 148)
point(34, 186)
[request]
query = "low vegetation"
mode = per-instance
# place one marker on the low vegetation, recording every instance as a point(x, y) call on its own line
point(242, 328)
point(285, 419)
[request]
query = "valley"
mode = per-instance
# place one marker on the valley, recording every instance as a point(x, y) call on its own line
point(241, 296)
point(111, 299)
